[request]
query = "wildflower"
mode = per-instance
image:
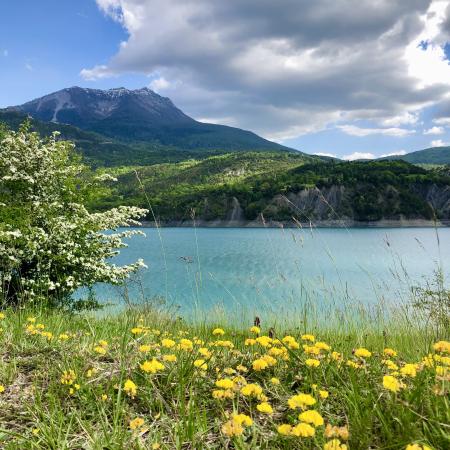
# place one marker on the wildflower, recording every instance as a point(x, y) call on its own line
point(2, 389)
point(301, 401)
point(311, 416)
point(218, 332)
point(389, 364)
point(441, 371)
point(232, 428)
point(362, 353)
point(204, 352)
point(255, 330)
point(333, 431)
point(390, 352)
point(336, 356)
point(291, 342)
point(156, 446)
point(152, 366)
point(186, 344)
point(225, 383)
point(201, 364)
point(241, 368)
point(442, 347)
point(251, 389)
point(35, 431)
point(311, 350)
point(417, 447)
point(323, 394)
point(136, 423)
point(308, 337)
point(2, 316)
point(221, 394)
point(100, 350)
point(31, 319)
point(391, 383)
point(322, 346)
point(90, 372)
point(312, 362)
point(144, 348)
point(167, 343)
point(259, 364)
point(275, 381)
point(264, 341)
point(353, 364)
point(63, 337)
point(250, 341)
point(104, 397)
point(409, 370)
point(68, 377)
point(284, 429)
point(103, 343)
point(130, 388)
point(137, 330)
point(265, 408)
point(303, 430)
point(229, 371)
point(169, 358)
point(243, 419)
point(334, 444)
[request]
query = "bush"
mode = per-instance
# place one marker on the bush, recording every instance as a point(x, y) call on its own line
point(50, 244)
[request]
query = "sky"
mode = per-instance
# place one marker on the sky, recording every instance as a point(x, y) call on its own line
point(352, 79)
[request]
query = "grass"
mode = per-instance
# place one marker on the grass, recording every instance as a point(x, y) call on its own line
point(65, 384)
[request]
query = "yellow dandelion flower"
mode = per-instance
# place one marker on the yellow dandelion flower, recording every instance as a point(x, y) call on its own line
point(442, 347)
point(301, 401)
point(311, 416)
point(323, 393)
point(303, 430)
point(168, 343)
point(260, 364)
point(334, 444)
point(169, 358)
point(104, 397)
point(130, 388)
point(312, 362)
point(68, 377)
point(204, 352)
point(265, 408)
point(241, 368)
point(137, 330)
point(152, 366)
point(225, 383)
point(250, 341)
point(136, 423)
point(417, 447)
point(391, 383)
point(2, 389)
point(284, 429)
point(232, 428)
point(243, 419)
point(251, 389)
point(362, 353)
point(2, 316)
point(409, 370)
point(144, 348)
point(201, 364)
point(186, 344)
point(255, 330)
point(390, 352)
point(275, 381)
point(218, 332)
point(308, 337)
point(264, 341)
point(100, 350)
point(221, 394)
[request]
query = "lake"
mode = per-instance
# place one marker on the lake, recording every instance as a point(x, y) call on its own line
point(267, 270)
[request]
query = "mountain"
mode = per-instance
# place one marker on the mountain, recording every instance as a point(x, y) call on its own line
point(432, 155)
point(139, 116)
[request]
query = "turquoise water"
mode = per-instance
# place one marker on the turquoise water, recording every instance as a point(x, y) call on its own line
point(279, 270)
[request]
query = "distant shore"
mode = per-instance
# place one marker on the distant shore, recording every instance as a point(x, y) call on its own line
point(387, 223)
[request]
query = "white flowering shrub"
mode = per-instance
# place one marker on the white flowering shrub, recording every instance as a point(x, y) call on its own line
point(50, 244)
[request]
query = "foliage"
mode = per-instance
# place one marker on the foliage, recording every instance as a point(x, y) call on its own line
point(141, 380)
point(50, 244)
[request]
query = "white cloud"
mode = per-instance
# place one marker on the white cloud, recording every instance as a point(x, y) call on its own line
point(353, 130)
point(439, 143)
point(397, 153)
point(159, 84)
point(434, 130)
point(442, 121)
point(287, 68)
point(331, 155)
point(358, 155)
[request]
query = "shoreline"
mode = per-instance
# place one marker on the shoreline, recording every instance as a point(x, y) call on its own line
point(387, 223)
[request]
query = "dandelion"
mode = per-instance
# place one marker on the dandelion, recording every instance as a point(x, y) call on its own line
point(409, 370)
point(308, 337)
point(334, 444)
point(68, 377)
point(311, 416)
point(264, 408)
point(312, 362)
point(169, 358)
point(186, 344)
point(243, 419)
point(232, 428)
point(35, 431)
point(204, 352)
point(362, 353)
point(417, 447)
point(201, 364)
point(225, 383)
point(130, 388)
point(442, 347)
point(322, 346)
point(218, 332)
point(144, 348)
point(391, 383)
point(260, 364)
point(104, 397)
point(137, 330)
point(2, 316)
point(168, 343)
point(333, 431)
point(241, 368)
point(275, 381)
point(221, 394)
point(136, 423)
point(303, 430)
point(100, 350)
point(301, 401)
point(390, 352)
point(31, 319)
point(152, 366)
point(264, 341)
point(251, 389)
point(255, 330)
point(2, 389)
point(103, 343)
point(284, 429)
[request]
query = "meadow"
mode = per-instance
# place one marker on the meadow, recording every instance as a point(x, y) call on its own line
point(142, 379)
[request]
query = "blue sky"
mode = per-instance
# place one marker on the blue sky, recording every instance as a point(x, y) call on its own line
point(320, 78)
